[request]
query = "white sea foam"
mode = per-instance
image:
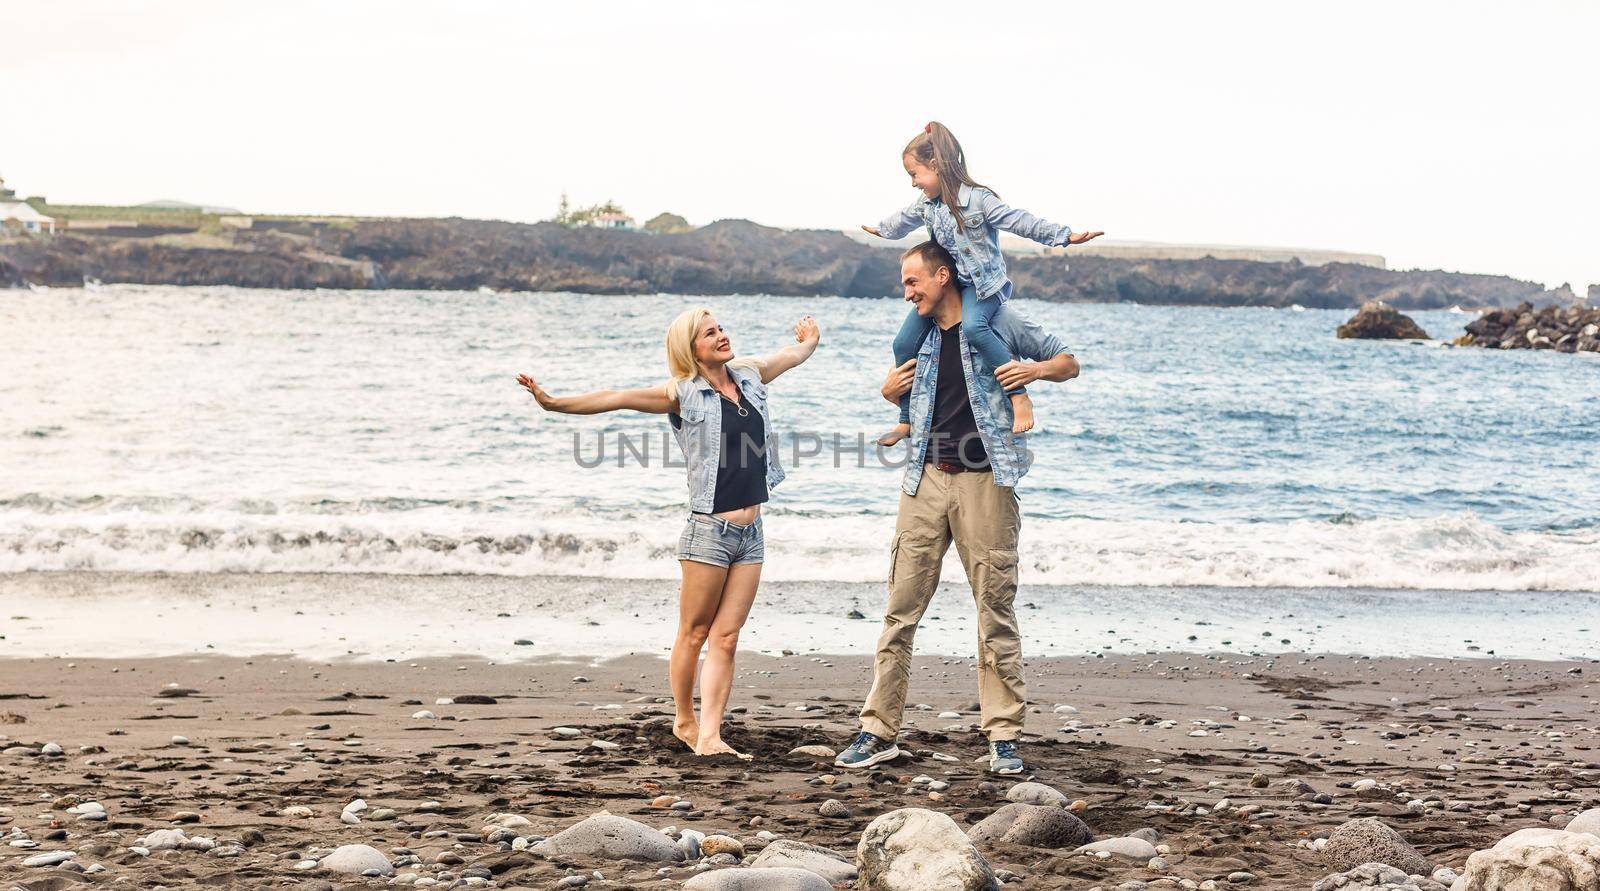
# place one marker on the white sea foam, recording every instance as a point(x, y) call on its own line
point(1447, 552)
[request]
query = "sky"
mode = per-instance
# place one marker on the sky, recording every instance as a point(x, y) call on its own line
point(1442, 135)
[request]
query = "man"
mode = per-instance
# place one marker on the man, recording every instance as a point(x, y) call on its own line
point(959, 485)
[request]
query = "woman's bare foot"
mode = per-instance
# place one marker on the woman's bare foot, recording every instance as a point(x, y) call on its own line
point(895, 434)
point(717, 747)
point(687, 731)
point(1022, 408)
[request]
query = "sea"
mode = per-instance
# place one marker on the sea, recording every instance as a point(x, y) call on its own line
point(225, 430)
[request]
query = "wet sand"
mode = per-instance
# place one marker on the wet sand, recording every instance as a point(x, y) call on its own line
point(1500, 745)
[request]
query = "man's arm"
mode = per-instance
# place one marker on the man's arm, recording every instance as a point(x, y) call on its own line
point(1028, 340)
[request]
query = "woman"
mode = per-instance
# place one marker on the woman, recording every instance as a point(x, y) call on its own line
point(717, 406)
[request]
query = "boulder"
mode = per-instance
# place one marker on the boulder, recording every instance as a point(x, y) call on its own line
point(1380, 321)
point(1034, 825)
point(740, 878)
point(1535, 860)
point(788, 854)
point(1588, 822)
point(915, 849)
point(1369, 840)
point(1126, 848)
point(357, 859)
point(609, 837)
point(1037, 793)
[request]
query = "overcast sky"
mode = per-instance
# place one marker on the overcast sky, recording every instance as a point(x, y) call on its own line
point(1452, 135)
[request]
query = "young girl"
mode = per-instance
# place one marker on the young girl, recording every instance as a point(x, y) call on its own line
point(965, 218)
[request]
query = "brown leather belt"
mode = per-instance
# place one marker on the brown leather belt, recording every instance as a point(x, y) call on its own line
point(947, 467)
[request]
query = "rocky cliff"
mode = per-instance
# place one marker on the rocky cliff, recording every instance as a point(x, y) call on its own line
point(731, 256)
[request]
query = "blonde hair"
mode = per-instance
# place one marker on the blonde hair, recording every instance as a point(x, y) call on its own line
point(681, 364)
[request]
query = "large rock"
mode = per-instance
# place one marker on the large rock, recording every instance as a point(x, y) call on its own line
point(1127, 848)
point(1376, 875)
point(1034, 825)
point(1380, 321)
point(914, 849)
point(789, 854)
point(745, 879)
point(1588, 822)
point(162, 840)
point(1037, 793)
point(1369, 840)
point(357, 859)
point(609, 837)
point(1535, 860)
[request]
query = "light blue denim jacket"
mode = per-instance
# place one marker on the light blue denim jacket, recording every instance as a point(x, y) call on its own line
point(698, 426)
point(991, 407)
point(977, 249)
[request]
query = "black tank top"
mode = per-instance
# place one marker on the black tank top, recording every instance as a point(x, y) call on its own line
point(742, 463)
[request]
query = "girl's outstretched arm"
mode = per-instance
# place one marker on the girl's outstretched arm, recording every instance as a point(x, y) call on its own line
point(1019, 222)
point(653, 400)
point(898, 224)
point(806, 336)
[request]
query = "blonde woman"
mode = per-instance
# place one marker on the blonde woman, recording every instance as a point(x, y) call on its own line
point(717, 406)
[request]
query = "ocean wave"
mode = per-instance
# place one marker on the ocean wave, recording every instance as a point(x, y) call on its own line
point(1454, 552)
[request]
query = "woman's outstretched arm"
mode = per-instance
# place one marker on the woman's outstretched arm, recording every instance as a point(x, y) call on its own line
point(806, 336)
point(654, 400)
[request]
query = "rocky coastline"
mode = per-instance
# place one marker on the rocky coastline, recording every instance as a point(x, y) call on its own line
point(726, 257)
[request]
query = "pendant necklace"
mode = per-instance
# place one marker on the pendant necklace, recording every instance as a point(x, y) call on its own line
point(743, 412)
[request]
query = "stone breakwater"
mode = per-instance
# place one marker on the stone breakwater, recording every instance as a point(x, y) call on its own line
point(1565, 329)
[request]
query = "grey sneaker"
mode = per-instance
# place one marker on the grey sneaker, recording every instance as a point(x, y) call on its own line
point(866, 750)
point(1003, 757)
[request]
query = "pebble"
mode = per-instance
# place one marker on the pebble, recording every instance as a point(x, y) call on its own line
point(834, 808)
point(48, 858)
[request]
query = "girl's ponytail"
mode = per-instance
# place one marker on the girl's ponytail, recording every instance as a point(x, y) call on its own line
point(937, 147)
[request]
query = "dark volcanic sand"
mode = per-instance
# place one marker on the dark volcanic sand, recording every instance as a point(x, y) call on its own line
point(1476, 734)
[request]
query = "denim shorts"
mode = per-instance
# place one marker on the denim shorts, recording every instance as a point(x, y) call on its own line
point(721, 543)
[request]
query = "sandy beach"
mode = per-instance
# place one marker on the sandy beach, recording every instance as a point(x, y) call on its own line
point(1454, 754)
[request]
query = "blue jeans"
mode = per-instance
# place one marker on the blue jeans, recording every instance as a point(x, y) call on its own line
point(713, 540)
point(976, 316)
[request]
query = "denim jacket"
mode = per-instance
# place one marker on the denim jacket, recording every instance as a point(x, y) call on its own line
point(991, 407)
point(977, 249)
point(698, 426)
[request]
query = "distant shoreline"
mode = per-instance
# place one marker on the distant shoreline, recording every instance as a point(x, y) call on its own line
point(726, 257)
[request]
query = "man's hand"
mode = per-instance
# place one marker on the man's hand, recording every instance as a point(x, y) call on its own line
point(898, 383)
point(872, 230)
point(1017, 373)
point(806, 330)
point(546, 401)
point(1081, 237)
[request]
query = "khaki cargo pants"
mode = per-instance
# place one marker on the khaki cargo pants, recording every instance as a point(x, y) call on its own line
point(983, 519)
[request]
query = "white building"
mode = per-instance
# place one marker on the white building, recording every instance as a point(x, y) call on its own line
point(613, 221)
point(20, 216)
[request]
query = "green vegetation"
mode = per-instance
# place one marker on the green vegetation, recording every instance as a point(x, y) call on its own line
point(667, 224)
point(567, 216)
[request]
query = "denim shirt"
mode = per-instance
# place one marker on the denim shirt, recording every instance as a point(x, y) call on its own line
point(991, 407)
point(698, 426)
point(977, 248)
